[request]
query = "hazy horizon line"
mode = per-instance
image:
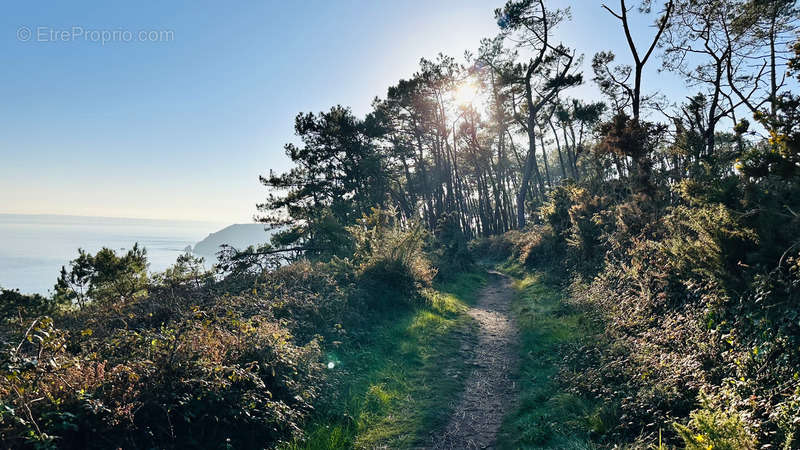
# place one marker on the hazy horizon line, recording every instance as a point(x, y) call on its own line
point(205, 221)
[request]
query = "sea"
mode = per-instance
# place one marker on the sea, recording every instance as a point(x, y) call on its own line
point(33, 248)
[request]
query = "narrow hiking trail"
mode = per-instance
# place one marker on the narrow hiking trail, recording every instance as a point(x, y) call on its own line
point(489, 391)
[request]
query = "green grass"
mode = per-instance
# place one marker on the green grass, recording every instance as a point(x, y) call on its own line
point(396, 382)
point(546, 416)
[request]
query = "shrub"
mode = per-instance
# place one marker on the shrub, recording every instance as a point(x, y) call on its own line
point(713, 426)
point(15, 306)
point(391, 266)
point(540, 247)
point(569, 232)
point(182, 363)
point(705, 243)
point(216, 379)
point(494, 248)
point(308, 298)
point(449, 249)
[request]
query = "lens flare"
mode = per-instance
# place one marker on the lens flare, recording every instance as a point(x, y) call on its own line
point(465, 94)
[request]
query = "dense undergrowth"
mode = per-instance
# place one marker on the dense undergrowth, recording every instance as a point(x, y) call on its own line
point(696, 304)
point(239, 357)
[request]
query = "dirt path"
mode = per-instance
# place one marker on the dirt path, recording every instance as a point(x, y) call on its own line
point(489, 391)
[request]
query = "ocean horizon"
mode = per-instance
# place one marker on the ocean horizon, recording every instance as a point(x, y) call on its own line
point(34, 247)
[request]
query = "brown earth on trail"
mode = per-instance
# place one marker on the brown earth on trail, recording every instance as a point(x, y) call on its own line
point(489, 391)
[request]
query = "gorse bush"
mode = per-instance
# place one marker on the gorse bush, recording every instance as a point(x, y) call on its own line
point(568, 233)
point(683, 312)
point(494, 248)
point(15, 307)
point(716, 428)
point(389, 260)
point(309, 298)
point(448, 247)
point(538, 246)
point(706, 243)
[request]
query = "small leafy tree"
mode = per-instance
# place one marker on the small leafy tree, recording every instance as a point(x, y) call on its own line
point(104, 276)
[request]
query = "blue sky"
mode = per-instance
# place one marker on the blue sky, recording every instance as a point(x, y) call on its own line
point(181, 128)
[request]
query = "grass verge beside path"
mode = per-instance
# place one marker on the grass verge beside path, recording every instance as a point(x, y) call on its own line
point(547, 416)
point(398, 381)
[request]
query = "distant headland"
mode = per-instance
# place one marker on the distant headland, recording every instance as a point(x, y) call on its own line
point(239, 236)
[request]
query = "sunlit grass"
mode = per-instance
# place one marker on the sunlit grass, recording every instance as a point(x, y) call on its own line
point(546, 416)
point(398, 382)
point(465, 288)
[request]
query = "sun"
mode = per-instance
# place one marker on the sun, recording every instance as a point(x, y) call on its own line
point(465, 94)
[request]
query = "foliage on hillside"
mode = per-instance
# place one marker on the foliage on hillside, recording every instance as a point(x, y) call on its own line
point(191, 358)
point(697, 298)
